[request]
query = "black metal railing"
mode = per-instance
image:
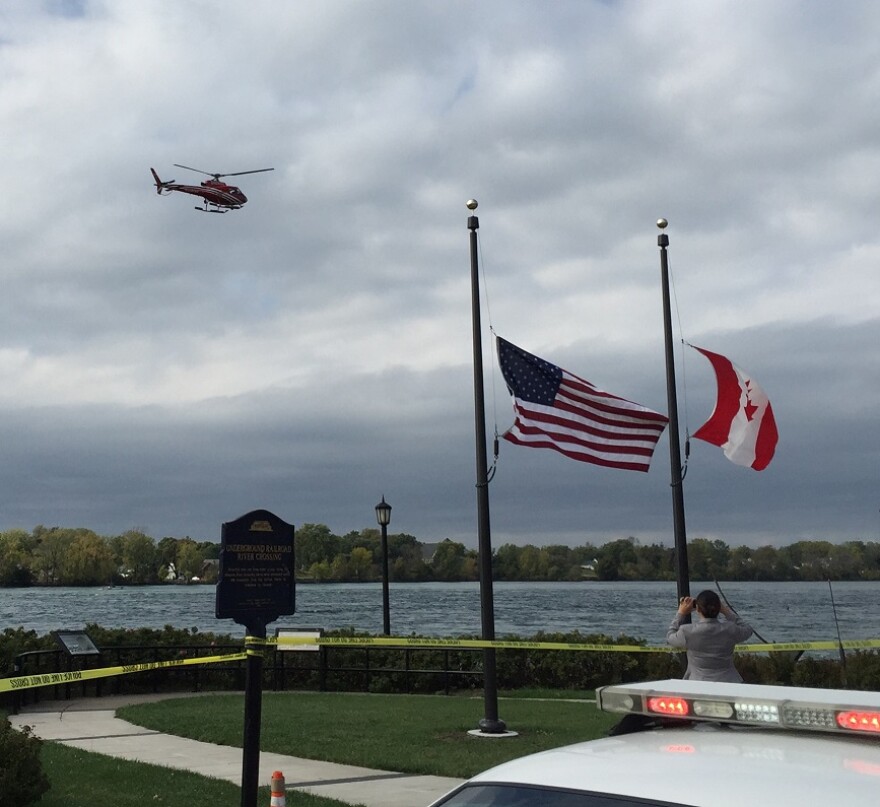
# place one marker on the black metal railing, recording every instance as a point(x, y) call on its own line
point(403, 669)
point(363, 669)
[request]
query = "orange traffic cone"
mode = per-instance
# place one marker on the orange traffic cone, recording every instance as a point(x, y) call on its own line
point(278, 794)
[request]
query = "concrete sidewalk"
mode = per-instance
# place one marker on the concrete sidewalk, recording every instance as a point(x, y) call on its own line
point(91, 724)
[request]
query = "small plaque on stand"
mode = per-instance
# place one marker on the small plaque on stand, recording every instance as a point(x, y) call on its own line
point(76, 642)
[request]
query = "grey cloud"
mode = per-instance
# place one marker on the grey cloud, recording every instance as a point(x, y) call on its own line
point(168, 369)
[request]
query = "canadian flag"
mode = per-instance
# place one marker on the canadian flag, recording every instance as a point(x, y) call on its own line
point(742, 422)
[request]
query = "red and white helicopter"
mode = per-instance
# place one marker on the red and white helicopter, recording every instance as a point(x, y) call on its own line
point(219, 197)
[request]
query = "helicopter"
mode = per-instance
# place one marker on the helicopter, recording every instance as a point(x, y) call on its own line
point(219, 197)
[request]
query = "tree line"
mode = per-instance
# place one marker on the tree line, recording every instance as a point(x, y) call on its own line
point(58, 556)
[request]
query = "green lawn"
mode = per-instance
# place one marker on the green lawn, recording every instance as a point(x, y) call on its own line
point(83, 779)
point(405, 733)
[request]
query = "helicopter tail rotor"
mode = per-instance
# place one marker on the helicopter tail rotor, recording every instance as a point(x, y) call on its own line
point(160, 185)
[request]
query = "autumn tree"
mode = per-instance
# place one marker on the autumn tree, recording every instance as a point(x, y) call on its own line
point(617, 560)
point(314, 543)
point(139, 558)
point(320, 572)
point(505, 563)
point(532, 563)
point(655, 562)
point(188, 562)
point(740, 566)
point(406, 561)
point(707, 560)
point(89, 561)
point(49, 553)
point(361, 564)
point(15, 554)
point(448, 561)
point(561, 563)
point(166, 552)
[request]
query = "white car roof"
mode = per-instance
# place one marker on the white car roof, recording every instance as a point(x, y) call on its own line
point(743, 754)
point(710, 766)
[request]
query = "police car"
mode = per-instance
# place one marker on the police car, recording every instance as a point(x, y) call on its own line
point(703, 744)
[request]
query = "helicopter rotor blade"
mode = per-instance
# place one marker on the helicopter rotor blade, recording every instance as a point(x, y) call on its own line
point(217, 176)
point(198, 170)
point(242, 173)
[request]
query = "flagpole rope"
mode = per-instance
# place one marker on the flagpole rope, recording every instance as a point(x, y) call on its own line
point(687, 430)
point(495, 369)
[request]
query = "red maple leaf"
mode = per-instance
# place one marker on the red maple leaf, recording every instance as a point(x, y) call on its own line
point(749, 407)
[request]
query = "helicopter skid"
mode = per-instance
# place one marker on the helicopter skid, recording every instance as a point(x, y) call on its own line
point(206, 210)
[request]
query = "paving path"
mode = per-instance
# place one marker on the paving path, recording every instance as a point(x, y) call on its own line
point(92, 725)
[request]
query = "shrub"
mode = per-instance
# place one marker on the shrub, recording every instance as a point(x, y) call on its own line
point(22, 780)
point(17, 640)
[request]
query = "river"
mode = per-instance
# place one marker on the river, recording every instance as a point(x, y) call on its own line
point(779, 611)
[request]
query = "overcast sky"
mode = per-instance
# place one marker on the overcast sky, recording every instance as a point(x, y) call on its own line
point(169, 370)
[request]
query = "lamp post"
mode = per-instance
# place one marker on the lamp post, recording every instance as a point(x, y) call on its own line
point(383, 516)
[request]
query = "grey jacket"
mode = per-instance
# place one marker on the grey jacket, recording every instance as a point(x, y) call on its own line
point(709, 644)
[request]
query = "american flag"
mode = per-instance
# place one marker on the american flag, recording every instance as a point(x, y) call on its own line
point(558, 410)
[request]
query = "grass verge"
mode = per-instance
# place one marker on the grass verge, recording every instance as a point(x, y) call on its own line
point(83, 779)
point(405, 733)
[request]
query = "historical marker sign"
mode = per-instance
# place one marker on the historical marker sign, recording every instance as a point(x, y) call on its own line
point(256, 576)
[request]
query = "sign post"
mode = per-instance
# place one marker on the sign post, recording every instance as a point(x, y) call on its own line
point(256, 585)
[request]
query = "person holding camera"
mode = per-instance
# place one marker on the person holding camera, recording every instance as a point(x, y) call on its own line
point(709, 642)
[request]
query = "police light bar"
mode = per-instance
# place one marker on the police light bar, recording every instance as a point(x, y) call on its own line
point(800, 708)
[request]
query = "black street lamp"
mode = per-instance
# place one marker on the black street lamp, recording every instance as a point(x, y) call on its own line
point(383, 516)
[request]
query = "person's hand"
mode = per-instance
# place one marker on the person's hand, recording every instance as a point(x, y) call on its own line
point(686, 605)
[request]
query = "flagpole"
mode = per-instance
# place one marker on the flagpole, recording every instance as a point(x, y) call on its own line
point(491, 723)
point(681, 560)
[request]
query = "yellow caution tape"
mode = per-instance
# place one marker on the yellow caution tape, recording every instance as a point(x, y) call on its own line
point(503, 644)
point(253, 643)
point(778, 647)
point(51, 679)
